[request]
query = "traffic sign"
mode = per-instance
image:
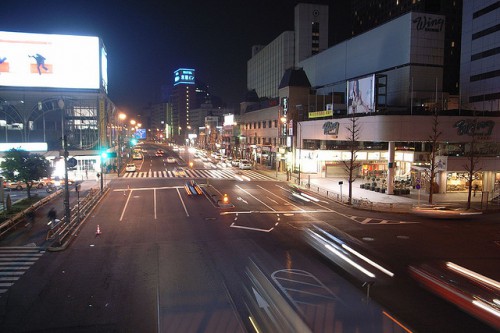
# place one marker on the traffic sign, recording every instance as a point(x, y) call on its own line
point(72, 162)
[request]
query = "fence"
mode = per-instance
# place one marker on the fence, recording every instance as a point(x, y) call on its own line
point(62, 232)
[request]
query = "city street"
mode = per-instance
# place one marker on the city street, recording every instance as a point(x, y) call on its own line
point(164, 261)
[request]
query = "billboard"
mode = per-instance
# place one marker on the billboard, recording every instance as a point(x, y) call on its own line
point(361, 95)
point(184, 76)
point(49, 61)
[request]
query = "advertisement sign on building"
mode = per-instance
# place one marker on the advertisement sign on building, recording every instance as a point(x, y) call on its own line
point(361, 93)
point(49, 61)
point(184, 76)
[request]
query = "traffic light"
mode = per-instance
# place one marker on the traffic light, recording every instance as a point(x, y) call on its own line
point(108, 154)
point(133, 141)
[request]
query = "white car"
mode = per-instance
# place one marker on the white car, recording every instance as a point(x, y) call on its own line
point(245, 165)
point(171, 159)
point(130, 167)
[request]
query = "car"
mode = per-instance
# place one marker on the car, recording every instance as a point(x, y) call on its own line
point(130, 167)
point(171, 159)
point(235, 163)
point(14, 185)
point(192, 188)
point(444, 212)
point(137, 156)
point(179, 172)
point(245, 165)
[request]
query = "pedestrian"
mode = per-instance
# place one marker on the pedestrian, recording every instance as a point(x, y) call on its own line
point(475, 189)
point(52, 215)
point(87, 174)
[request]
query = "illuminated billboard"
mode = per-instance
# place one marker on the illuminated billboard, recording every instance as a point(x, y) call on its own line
point(184, 76)
point(361, 95)
point(104, 69)
point(49, 61)
point(228, 119)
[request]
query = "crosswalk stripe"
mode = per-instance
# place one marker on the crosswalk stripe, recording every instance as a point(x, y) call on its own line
point(201, 173)
point(14, 262)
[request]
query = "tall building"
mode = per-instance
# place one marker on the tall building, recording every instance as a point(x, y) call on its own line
point(311, 30)
point(368, 14)
point(183, 99)
point(268, 63)
point(480, 68)
point(188, 93)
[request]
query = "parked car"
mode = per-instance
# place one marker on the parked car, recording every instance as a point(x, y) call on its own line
point(245, 165)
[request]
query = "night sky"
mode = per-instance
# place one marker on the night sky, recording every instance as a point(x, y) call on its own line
point(147, 40)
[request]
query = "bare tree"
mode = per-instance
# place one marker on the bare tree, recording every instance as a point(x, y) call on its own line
point(352, 165)
point(472, 158)
point(434, 142)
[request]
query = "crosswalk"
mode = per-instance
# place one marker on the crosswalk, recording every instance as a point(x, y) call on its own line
point(14, 262)
point(200, 174)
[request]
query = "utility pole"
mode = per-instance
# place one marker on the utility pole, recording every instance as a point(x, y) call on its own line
point(67, 211)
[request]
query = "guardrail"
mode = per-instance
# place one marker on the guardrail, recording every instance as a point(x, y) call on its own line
point(63, 232)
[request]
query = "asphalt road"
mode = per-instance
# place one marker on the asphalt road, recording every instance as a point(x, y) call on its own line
point(167, 262)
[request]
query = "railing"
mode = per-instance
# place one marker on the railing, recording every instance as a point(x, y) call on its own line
point(63, 231)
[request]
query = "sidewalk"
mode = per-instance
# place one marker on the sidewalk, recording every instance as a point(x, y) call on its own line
point(332, 188)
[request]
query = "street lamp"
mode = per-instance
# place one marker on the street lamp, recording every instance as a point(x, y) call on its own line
point(300, 141)
point(121, 117)
point(67, 211)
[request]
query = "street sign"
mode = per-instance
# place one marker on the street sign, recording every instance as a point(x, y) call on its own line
point(72, 162)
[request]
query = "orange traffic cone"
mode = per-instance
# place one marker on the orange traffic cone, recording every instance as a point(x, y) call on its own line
point(98, 231)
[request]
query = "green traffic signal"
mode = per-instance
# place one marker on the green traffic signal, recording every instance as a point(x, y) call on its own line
point(108, 154)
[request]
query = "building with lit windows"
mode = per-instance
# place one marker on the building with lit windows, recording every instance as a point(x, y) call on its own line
point(268, 63)
point(391, 79)
point(480, 68)
point(46, 96)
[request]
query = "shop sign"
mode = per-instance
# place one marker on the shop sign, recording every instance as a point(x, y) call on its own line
point(427, 23)
point(321, 114)
point(331, 128)
point(482, 129)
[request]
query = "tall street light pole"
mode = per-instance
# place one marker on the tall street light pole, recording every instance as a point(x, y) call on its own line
point(66, 185)
point(121, 118)
point(67, 211)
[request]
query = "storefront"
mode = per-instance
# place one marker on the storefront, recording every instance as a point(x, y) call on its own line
point(458, 182)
